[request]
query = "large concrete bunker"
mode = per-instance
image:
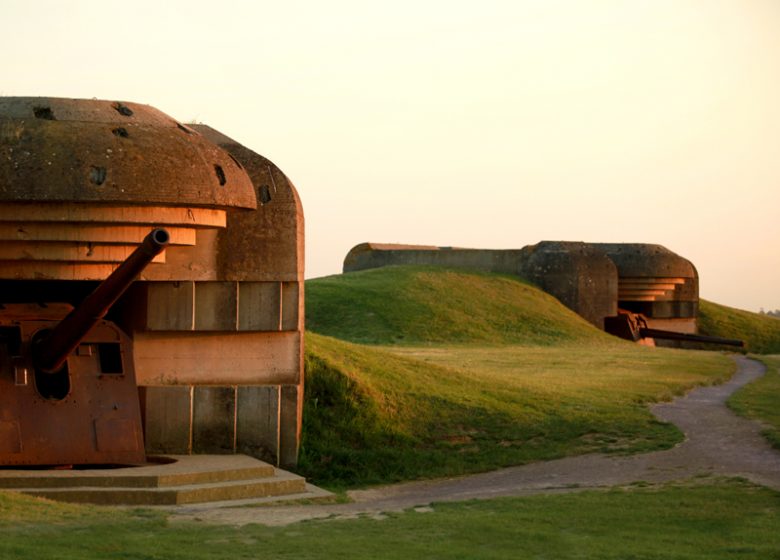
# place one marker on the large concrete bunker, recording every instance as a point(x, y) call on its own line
point(210, 337)
point(596, 280)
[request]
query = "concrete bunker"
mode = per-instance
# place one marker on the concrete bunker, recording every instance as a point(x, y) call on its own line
point(210, 336)
point(599, 281)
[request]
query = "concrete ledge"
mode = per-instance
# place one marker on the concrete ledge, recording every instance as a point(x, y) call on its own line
point(185, 480)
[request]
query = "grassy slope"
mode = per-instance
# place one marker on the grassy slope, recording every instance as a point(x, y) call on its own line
point(376, 415)
point(761, 399)
point(761, 333)
point(488, 371)
point(428, 305)
point(719, 520)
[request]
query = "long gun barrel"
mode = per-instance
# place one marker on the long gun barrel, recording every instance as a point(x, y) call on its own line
point(51, 351)
point(670, 335)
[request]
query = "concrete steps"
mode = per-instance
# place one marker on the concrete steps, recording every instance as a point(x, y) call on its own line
point(169, 480)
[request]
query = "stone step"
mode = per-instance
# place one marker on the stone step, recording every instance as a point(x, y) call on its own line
point(172, 480)
point(169, 470)
point(282, 484)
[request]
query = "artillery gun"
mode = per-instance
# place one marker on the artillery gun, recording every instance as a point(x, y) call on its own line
point(633, 326)
point(214, 326)
point(67, 383)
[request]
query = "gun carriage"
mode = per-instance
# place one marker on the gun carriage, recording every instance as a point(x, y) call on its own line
point(67, 381)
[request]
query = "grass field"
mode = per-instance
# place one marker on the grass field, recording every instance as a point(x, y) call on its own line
point(711, 520)
point(469, 372)
point(761, 400)
point(375, 415)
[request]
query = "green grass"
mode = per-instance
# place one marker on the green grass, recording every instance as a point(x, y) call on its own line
point(405, 305)
point(468, 372)
point(760, 400)
point(711, 520)
point(761, 333)
point(379, 414)
point(17, 508)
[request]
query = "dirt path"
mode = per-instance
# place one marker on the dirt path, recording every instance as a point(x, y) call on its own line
point(717, 443)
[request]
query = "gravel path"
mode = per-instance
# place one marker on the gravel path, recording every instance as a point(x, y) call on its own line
point(717, 442)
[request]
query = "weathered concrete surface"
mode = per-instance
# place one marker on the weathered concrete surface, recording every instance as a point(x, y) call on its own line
point(213, 419)
point(579, 275)
point(167, 412)
point(166, 480)
point(654, 281)
point(717, 443)
point(218, 358)
point(229, 312)
point(88, 150)
point(257, 420)
point(267, 244)
point(263, 252)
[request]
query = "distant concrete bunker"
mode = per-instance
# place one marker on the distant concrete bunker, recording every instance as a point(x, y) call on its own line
point(204, 353)
point(595, 280)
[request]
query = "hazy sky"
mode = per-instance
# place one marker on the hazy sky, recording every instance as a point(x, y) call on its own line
point(479, 124)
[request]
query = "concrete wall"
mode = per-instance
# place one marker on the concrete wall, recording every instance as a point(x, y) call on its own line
point(376, 255)
point(581, 277)
point(654, 281)
point(218, 329)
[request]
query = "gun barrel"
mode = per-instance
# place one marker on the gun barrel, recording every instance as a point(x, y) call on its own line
point(670, 335)
point(51, 352)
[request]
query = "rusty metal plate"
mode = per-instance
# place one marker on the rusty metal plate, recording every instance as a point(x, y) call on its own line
point(97, 421)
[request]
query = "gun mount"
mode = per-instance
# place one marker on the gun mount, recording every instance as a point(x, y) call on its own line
point(67, 383)
point(633, 326)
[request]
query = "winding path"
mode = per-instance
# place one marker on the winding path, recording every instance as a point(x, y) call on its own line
point(718, 442)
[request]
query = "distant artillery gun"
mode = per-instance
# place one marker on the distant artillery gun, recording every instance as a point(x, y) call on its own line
point(633, 326)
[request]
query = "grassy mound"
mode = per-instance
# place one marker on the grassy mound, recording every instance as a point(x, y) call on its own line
point(761, 333)
point(470, 371)
point(380, 414)
point(427, 305)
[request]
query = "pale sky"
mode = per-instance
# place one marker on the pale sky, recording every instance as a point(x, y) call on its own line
point(490, 124)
